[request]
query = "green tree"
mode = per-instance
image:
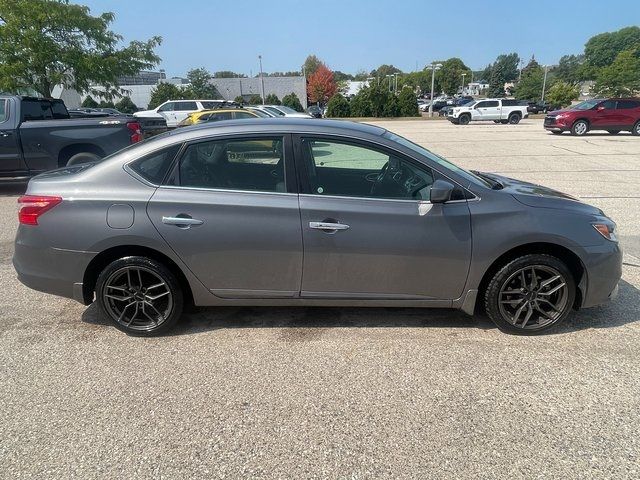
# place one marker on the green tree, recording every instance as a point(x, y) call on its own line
point(622, 77)
point(106, 104)
point(338, 107)
point(228, 74)
point(126, 105)
point(383, 70)
point(391, 107)
point(311, 64)
point(239, 99)
point(570, 69)
point(602, 50)
point(163, 92)
point(292, 101)
point(374, 100)
point(420, 81)
point(44, 43)
point(200, 85)
point(529, 87)
point(339, 76)
point(255, 99)
point(407, 103)
point(562, 94)
point(503, 70)
point(360, 104)
point(89, 102)
point(450, 75)
point(272, 99)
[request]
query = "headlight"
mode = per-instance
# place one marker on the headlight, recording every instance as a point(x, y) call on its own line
point(606, 230)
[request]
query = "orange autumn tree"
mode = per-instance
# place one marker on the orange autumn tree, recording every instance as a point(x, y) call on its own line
point(321, 85)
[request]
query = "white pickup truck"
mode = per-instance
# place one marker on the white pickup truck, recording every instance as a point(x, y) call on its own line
point(500, 110)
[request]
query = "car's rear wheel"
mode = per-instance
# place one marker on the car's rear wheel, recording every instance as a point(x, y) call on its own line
point(530, 294)
point(464, 119)
point(140, 296)
point(636, 129)
point(581, 127)
point(514, 119)
point(614, 132)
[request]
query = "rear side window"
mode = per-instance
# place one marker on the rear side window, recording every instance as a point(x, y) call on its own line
point(487, 103)
point(215, 117)
point(4, 112)
point(210, 105)
point(627, 104)
point(154, 167)
point(36, 110)
point(608, 105)
point(182, 106)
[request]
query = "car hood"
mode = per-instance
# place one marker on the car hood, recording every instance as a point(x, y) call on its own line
point(538, 196)
point(562, 110)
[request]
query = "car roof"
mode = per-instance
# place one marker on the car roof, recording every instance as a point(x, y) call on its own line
point(283, 124)
point(219, 110)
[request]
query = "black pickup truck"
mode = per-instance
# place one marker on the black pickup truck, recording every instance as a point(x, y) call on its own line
point(38, 134)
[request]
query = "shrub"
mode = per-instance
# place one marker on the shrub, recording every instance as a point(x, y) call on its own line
point(89, 102)
point(106, 104)
point(272, 99)
point(125, 105)
point(562, 94)
point(255, 99)
point(391, 108)
point(360, 105)
point(292, 101)
point(338, 107)
point(407, 103)
point(239, 99)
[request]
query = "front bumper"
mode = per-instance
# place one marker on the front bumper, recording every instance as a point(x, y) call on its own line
point(603, 270)
point(555, 124)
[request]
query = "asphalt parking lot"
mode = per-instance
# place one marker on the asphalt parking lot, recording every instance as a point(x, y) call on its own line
point(340, 393)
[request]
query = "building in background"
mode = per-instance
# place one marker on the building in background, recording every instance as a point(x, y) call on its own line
point(145, 77)
point(230, 88)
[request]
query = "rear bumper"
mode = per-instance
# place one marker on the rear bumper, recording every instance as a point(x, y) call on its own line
point(51, 270)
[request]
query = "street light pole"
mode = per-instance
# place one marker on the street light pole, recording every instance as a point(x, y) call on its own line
point(261, 78)
point(544, 82)
point(434, 67)
point(462, 91)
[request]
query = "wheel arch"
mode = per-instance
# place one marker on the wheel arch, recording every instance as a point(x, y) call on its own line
point(104, 258)
point(70, 150)
point(572, 261)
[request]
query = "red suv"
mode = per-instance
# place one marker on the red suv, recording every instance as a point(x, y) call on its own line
point(612, 115)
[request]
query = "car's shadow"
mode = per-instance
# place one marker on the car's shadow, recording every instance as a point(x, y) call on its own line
point(11, 189)
point(625, 309)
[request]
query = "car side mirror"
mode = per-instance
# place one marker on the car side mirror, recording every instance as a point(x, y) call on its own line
point(441, 191)
point(600, 108)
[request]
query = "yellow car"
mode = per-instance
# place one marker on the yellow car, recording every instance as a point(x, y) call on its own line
point(219, 114)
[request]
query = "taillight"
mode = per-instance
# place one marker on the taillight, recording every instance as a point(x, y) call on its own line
point(136, 131)
point(32, 206)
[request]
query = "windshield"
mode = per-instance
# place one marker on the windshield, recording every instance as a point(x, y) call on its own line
point(437, 158)
point(586, 105)
point(286, 109)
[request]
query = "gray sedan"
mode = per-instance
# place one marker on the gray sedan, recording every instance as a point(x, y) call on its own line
point(308, 212)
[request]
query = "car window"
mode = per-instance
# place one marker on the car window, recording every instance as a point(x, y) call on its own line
point(608, 104)
point(182, 106)
point(350, 170)
point(210, 105)
point(167, 107)
point(274, 111)
point(59, 110)
point(255, 164)
point(215, 117)
point(36, 110)
point(4, 112)
point(154, 167)
point(487, 103)
point(627, 104)
point(243, 115)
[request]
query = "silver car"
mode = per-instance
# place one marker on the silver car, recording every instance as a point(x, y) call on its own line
point(308, 212)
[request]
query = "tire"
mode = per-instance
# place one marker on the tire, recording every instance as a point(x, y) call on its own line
point(613, 132)
point(151, 316)
point(514, 119)
point(464, 119)
point(510, 297)
point(579, 128)
point(636, 129)
point(83, 157)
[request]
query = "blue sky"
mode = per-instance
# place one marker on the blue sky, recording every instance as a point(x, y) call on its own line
point(350, 35)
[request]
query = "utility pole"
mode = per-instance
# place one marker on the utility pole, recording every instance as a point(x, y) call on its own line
point(434, 67)
point(261, 78)
point(462, 91)
point(544, 82)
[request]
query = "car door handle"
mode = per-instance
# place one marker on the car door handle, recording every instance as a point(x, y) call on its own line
point(328, 226)
point(182, 221)
point(5, 134)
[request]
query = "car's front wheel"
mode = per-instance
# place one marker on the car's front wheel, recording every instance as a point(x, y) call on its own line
point(530, 294)
point(464, 119)
point(139, 295)
point(636, 129)
point(581, 127)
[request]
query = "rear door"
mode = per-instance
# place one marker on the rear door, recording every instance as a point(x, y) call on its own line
point(369, 230)
point(167, 111)
point(628, 112)
point(231, 213)
point(182, 109)
point(487, 110)
point(10, 156)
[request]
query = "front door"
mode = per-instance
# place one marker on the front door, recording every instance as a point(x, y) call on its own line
point(487, 110)
point(369, 231)
point(228, 214)
point(606, 115)
point(9, 145)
